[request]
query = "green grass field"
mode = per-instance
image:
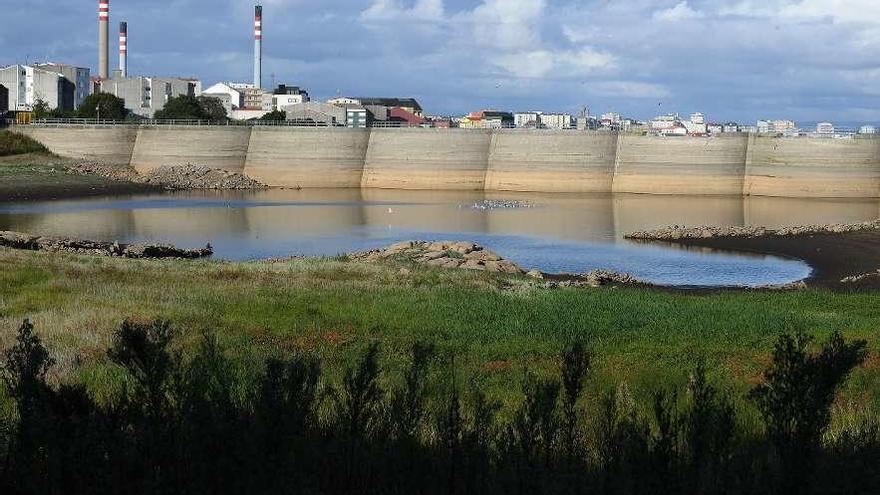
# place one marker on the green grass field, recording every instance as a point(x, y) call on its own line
point(645, 338)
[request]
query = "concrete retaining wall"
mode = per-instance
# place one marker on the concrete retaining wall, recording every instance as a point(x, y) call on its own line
point(307, 157)
point(550, 161)
point(214, 147)
point(451, 159)
point(829, 168)
point(501, 160)
point(110, 144)
point(678, 165)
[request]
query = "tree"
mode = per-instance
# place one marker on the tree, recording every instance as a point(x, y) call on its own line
point(41, 109)
point(102, 105)
point(183, 107)
point(212, 108)
point(275, 115)
point(796, 395)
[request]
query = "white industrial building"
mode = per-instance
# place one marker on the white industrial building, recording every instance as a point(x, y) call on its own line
point(28, 84)
point(527, 119)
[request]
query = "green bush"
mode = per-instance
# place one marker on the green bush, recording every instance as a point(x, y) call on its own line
point(13, 143)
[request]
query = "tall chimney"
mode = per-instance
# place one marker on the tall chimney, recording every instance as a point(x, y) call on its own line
point(103, 39)
point(258, 46)
point(123, 49)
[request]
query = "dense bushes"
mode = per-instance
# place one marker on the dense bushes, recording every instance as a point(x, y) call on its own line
point(202, 425)
point(13, 143)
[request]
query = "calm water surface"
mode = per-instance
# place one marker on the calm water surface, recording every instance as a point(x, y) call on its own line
point(561, 232)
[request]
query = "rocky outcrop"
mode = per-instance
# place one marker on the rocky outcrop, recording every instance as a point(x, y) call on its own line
point(444, 254)
point(53, 244)
point(172, 178)
point(596, 278)
point(675, 233)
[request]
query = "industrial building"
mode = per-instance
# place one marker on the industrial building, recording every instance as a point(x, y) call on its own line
point(28, 85)
point(79, 76)
point(409, 104)
point(4, 100)
point(144, 96)
point(316, 113)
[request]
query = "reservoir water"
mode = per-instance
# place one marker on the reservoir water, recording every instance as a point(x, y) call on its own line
point(553, 232)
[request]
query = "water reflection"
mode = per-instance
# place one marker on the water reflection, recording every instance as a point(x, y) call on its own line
point(563, 232)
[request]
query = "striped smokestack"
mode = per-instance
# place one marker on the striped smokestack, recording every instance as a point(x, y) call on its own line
point(123, 49)
point(103, 39)
point(258, 46)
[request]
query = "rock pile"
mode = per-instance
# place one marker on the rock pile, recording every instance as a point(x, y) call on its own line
point(173, 178)
point(445, 254)
point(676, 232)
point(198, 177)
point(53, 244)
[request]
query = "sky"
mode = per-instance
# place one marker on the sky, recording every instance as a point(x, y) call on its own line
point(807, 60)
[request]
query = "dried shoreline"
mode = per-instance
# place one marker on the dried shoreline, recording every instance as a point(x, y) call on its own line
point(842, 256)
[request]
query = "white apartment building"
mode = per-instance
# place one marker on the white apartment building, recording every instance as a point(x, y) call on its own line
point(557, 120)
point(825, 128)
point(776, 126)
point(527, 119)
point(867, 129)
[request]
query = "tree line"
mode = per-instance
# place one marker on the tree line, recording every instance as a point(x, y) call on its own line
point(199, 424)
point(106, 106)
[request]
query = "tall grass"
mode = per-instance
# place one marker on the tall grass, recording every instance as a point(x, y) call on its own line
point(13, 143)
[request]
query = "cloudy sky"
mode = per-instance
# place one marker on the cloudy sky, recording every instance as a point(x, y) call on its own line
point(732, 59)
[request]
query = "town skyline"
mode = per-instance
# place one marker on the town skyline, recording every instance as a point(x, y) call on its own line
point(526, 54)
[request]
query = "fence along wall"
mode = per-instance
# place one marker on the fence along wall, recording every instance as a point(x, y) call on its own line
point(506, 160)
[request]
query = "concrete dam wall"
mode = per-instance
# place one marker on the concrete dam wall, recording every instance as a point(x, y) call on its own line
point(498, 160)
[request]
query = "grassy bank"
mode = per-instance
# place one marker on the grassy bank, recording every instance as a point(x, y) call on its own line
point(645, 338)
point(13, 143)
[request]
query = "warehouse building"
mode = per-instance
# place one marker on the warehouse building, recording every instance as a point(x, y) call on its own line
point(4, 101)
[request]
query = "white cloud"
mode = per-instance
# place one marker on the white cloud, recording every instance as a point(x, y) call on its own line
point(393, 10)
point(505, 24)
point(629, 89)
point(559, 64)
point(680, 12)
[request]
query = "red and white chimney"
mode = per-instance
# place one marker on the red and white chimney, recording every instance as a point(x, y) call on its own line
point(258, 46)
point(123, 49)
point(103, 39)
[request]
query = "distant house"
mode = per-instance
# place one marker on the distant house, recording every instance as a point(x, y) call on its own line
point(404, 117)
point(487, 119)
point(288, 95)
point(357, 116)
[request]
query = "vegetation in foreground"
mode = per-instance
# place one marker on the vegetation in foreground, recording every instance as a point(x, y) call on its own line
point(497, 328)
point(202, 425)
point(13, 143)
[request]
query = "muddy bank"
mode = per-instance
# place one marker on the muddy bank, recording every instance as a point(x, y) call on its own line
point(55, 244)
point(842, 256)
point(37, 178)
